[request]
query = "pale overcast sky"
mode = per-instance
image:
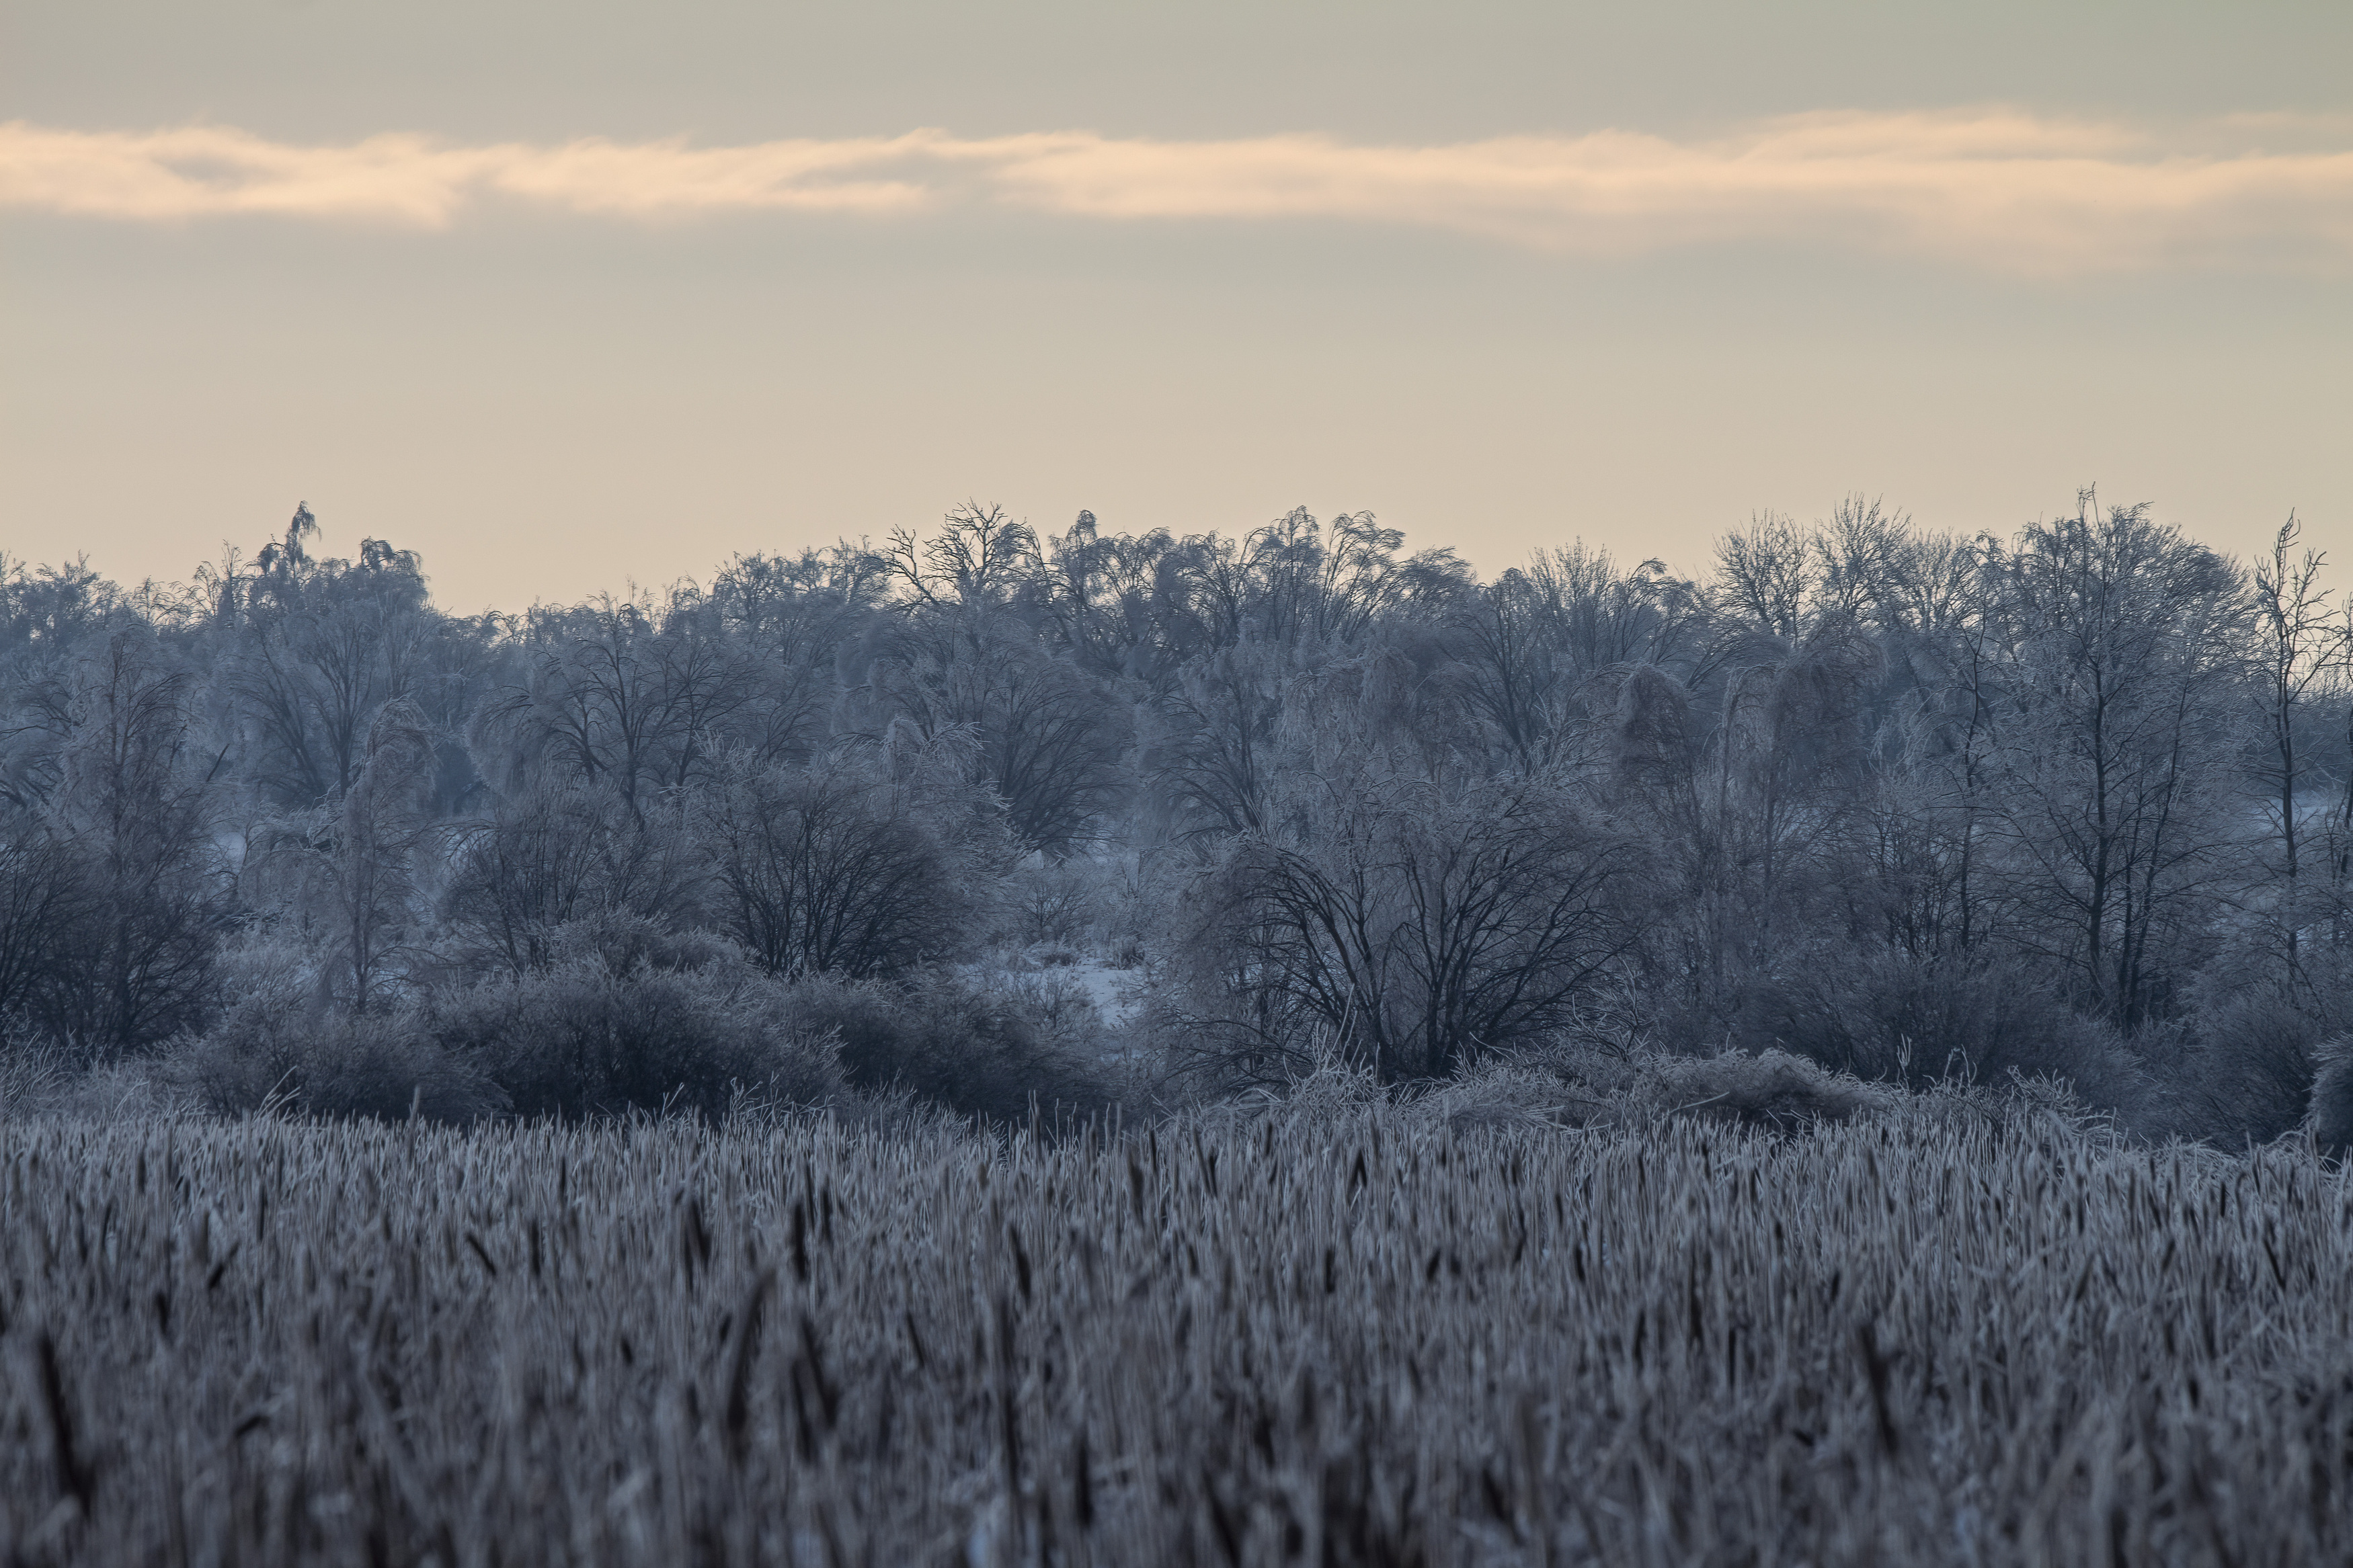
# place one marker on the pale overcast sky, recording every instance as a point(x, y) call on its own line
point(567, 295)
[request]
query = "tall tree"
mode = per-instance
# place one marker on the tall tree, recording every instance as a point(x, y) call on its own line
point(2298, 644)
point(2110, 704)
point(134, 805)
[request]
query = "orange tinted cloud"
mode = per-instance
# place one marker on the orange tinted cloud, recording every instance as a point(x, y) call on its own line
point(2000, 189)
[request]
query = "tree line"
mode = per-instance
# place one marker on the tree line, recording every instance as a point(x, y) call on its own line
point(2077, 802)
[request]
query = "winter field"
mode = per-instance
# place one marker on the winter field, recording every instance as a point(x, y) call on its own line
point(1340, 1328)
point(1837, 1058)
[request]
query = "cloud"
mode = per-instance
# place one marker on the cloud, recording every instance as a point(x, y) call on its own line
point(1993, 188)
point(212, 172)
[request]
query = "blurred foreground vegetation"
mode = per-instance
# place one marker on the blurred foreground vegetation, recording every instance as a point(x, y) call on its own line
point(1335, 1328)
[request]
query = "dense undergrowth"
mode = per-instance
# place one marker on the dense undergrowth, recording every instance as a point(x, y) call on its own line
point(1335, 1327)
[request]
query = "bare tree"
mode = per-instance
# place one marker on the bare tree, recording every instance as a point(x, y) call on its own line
point(1753, 817)
point(382, 829)
point(1212, 754)
point(1507, 669)
point(1421, 925)
point(2298, 644)
point(2108, 700)
point(1540, 653)
point(1603, 617)
point(40, 907)
point(979, 558)
point(789, 617)
point(318, 648)
point(1051, 743)
point(839, 867)
point(135, 809)
point(350, 870)
point(537, 865)
point(632, 694)
point(2336, 821)
point(1126, 606)
point(1766, 575)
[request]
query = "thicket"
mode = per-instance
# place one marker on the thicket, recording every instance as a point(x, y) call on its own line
point(990, 815)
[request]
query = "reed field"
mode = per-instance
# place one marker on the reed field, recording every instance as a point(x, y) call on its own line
point(1328, 1336)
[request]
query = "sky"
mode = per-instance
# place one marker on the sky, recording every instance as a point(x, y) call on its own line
point(569, 296)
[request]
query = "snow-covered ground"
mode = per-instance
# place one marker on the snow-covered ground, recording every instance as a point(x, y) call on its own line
point(1117, 993)
point(1060, 979)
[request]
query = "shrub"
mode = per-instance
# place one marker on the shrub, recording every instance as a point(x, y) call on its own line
point(1051, 904)
point(386, 1069)
point(627, 1016)
point(2331, 1116)
point(1771, 1090)
point(837, 868)
point(983, 1052)
point(1420, 924)
point(623, 943)
point(555, 855)
point(2248, 1060)
point(1888, 1017)
point(276, 1045)
point(588, 1037)
point(1574, 1086)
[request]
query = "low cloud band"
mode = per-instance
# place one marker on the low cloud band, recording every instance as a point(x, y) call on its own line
point(1993, 189)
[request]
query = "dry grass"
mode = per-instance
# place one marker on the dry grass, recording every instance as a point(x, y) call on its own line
point(1344, 1335)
